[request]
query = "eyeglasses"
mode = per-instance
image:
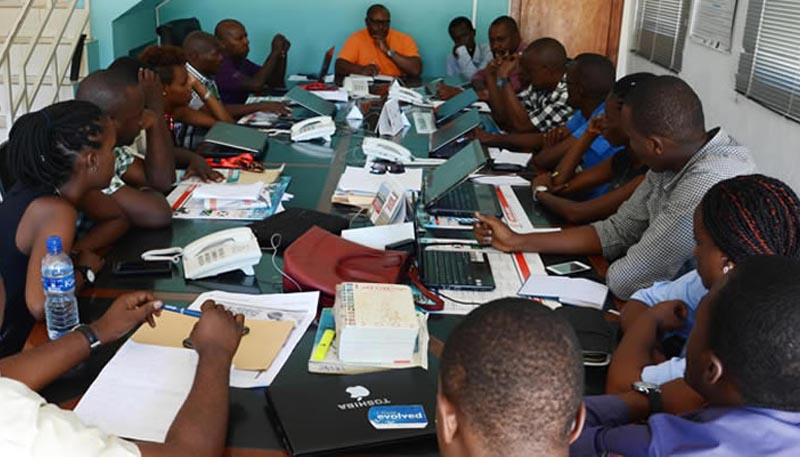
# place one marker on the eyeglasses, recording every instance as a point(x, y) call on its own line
point(378, 22)
point(383, 166)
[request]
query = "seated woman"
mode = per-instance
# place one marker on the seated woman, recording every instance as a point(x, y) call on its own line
point(55, 156)
point(170, 64)
point(621, 172)
point(737, 218)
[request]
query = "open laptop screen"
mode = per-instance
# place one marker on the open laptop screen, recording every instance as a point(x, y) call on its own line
point(311, 101)
point(454, 129)
point(452, 172)
point(456, 104)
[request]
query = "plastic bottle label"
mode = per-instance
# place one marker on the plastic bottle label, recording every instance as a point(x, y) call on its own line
point(63, 284)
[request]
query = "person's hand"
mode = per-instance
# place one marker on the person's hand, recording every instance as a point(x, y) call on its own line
point(491, 230)
point(217, 331)
point(596, 125)
point(87, 258)
point(197, 86)
point(483, 136)
point(149, 119)
point(369, 69)
point(445, 92)
point(280, 44)
point(508, 66)
point(382, 45)
point(544, 178)
point(198, 167)
point(669, 315)
point(554, 136)
point(152, 88)
point(492, 67)
point(127, 312)
point(274, 107)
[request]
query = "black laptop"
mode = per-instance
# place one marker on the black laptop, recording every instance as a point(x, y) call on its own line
point(326, 65)
point(450, 132)
point(311, 102)
point(455, 105)
point(456, 270)
point(227, 139)
point(328, 414)
point(445, 191)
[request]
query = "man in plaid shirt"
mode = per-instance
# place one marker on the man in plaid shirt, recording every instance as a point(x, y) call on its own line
point(650, 237)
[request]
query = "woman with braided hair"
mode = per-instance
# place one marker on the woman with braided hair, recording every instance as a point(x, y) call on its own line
point(54, 156)
point(737, 218)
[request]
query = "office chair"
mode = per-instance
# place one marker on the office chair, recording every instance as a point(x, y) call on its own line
point(6, 181)
point(173, 32)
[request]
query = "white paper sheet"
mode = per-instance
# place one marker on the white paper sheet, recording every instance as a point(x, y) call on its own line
point(575, 291)
point(141, 389)
point(379, 236)
point(499, 179)
point(250, 192)
point(509, 157)
point(339, 95)
point(361, 181)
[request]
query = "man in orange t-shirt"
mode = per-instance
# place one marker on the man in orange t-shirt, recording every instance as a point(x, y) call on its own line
point(379, 49)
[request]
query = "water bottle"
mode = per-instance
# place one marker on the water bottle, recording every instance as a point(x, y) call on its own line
point(58, 280)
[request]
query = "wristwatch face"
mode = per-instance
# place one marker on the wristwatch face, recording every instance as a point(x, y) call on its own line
point(90, 275)
point(645, 387)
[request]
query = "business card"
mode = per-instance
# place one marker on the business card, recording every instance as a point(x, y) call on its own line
point(397, 417)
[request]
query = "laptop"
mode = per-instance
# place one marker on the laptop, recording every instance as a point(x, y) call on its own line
point(326, 65)
point(329, 414)
point(445, 192)
point(452, 131)
point(311, 101)
point(228, 139)
point(456, 270)
point(455, 105)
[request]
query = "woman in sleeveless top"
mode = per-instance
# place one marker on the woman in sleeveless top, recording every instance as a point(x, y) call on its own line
point(54, 156)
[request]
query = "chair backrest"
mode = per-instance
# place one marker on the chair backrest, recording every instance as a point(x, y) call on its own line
point(6, 181)
point(173, 32)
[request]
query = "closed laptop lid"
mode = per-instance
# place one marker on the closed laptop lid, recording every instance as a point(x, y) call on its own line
point(454, 129)
point(311, 101)
point(326, 63)
point(237, 136)
point(452, 172)
point(328, 413)
point(456, 104)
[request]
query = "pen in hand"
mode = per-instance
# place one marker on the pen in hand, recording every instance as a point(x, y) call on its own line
point(195, 314)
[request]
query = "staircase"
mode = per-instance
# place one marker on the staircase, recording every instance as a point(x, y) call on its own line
point(38, 39)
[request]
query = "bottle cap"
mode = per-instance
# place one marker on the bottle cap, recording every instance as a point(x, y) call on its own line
point(54, 244)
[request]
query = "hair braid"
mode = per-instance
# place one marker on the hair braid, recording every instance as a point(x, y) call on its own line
point(752, 215)
point(43, 145)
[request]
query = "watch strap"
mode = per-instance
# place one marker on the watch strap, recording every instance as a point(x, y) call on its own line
point(655, 401)
point(91, 337)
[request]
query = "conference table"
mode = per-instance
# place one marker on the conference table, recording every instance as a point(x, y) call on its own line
point(314, 170)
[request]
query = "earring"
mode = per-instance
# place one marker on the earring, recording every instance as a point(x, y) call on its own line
point(163, 93)
point(726, 269)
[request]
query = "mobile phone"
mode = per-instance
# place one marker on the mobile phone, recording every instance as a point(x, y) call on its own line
point(568, 268)
point(142, 267)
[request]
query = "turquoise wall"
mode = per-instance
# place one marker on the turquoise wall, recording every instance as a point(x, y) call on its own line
point(102, 15)
point(312, 26)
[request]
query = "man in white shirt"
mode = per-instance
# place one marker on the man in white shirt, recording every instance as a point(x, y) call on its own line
point(32, 427)
point(467, 57)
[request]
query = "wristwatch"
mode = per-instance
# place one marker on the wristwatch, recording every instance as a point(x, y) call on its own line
point(390, 53)
point(88, 274)
point(501, 82)
point(87, 332)
point(653, 393)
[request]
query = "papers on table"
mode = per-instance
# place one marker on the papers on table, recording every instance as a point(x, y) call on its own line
point(379, 236)
point(187, 204)
point(482, 107)
point(229, 192)
point(338, 95)
point(141, 389)
point(574, 291)
point(362, 182)
point(509, 157)
point(500, 179)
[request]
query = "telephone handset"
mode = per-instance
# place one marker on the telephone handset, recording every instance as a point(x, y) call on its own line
point(406, 95)
point(221, 252)
point(356, 87)
point(377, 148)
point(313, 128)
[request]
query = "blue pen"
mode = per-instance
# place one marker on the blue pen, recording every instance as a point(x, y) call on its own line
point(181, 310)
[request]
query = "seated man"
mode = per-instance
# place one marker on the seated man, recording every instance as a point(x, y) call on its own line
point(741, 357)
point(621, 172)
point(504, 41)
point(541, 107)
point(649, 238)
point(32, 427)
point(467, 57)
point(510, 383)
point(378, 49)
point(238, 76)
point(138, 186)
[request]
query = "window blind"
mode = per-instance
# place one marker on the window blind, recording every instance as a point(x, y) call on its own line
point(769, 65)
point(661, 31)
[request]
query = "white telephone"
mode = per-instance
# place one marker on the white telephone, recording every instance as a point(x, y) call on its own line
point(406, 95)
point(221, 252)
point(383, 149)
point(356, 87)
point(313, 128)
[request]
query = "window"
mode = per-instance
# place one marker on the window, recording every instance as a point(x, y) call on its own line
point(769, 66)
point(661, 31)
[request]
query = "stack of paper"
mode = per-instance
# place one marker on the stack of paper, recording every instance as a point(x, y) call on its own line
point(375, 323)
point(508, 157)
point(360, 181)
point(572, 291)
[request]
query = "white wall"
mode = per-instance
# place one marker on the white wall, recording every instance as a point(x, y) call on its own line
point(773, 140)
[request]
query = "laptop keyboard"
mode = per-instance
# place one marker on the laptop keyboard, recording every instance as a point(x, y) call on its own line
point(462, 198)
point(445, 268)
